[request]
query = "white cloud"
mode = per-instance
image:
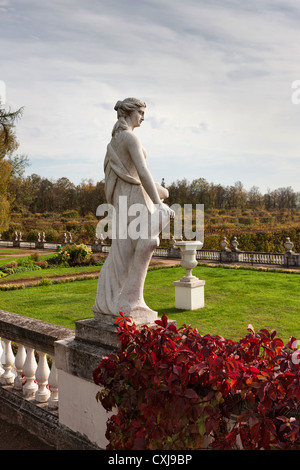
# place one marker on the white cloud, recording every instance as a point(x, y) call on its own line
point(216, 77)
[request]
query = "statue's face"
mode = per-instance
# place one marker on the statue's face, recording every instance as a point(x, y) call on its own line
point(137, 117)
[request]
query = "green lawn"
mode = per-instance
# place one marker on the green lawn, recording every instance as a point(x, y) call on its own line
point(7, 251)
point(233, 299)
point(52, 272)
point(6, 259)
point(42, 273)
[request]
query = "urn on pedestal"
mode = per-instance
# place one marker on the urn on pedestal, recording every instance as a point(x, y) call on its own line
point(189, 290)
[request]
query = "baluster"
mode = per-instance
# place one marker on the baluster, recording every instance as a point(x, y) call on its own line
point(53, 384)
point(29, 369)
point(1, 352)
point(7, 378)
point(19, 363)
point(42, 374)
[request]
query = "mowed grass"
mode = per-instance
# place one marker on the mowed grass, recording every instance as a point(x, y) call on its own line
point(54, 271)
point(233, 299)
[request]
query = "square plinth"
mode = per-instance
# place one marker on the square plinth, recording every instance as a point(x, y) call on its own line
point(189, 295)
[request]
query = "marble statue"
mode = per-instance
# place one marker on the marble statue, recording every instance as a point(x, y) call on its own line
point(121, 280)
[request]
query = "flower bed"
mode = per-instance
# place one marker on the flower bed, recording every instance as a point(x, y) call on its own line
point(176, 389)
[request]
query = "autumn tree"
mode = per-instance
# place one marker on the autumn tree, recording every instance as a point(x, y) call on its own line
point(8, 145)
point(90, 196)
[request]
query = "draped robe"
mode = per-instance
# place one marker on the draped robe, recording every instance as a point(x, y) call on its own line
point(121, 279)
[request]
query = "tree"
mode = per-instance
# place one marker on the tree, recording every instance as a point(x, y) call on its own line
point(18, 164)
point(8, 144)
point(255, 199)
point(90, 196)
point(8, 141)
point(64, 195)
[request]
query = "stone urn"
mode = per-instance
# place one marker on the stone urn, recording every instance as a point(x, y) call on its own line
point(289, 245)
point(188, 258)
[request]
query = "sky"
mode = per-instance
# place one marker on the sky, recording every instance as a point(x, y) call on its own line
point(220, 78)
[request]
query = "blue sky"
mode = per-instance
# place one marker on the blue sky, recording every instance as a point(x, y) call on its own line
point(216, 77)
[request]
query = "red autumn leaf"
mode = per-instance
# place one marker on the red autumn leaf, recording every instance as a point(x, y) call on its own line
point(191, 394)
point(177, 370)
point(254, 370)
point(198, 367)
point(265, 332)
point(273, 334)
point(163, 381)
point(139, 443)
point(163, 321)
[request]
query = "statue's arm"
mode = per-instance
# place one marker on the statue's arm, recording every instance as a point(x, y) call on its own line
point(162, 192)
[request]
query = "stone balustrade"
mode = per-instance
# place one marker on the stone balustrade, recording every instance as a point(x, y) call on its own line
point(225, 255)
point(27, 360)
point(29, 390)
point(31, 358)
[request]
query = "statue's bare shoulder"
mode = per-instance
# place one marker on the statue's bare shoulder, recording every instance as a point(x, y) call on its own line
point(131, 140)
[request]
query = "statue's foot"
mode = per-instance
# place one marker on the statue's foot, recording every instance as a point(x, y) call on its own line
point(139, 314)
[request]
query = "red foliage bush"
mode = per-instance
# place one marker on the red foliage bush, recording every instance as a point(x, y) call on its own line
point(173, 388)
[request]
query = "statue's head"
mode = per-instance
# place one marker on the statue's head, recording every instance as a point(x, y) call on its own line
point(125, 109)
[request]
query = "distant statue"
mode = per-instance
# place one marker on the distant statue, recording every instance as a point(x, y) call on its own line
point(235, 244)
point(224, 244)
point(121, 280)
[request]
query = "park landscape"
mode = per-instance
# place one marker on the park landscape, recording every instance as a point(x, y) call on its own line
point(235, 296)
point(246, 308)
point(185, 378)
point(238, 300)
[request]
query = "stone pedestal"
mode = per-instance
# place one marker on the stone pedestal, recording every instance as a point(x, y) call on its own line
point(40, 245)
point(291, 259)
point(189, 290)
point(189, 295)
point(226, 256)
point(98, 333)
point(76, 359)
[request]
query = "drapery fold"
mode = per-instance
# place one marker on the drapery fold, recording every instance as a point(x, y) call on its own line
point(114, 168)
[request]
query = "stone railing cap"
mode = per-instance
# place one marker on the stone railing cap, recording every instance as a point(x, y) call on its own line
point(32, 333)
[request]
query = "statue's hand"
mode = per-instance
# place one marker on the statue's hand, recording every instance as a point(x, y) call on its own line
point(168, 211)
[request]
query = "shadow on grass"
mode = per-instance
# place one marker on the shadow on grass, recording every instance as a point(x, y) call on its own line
point(169, 312)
